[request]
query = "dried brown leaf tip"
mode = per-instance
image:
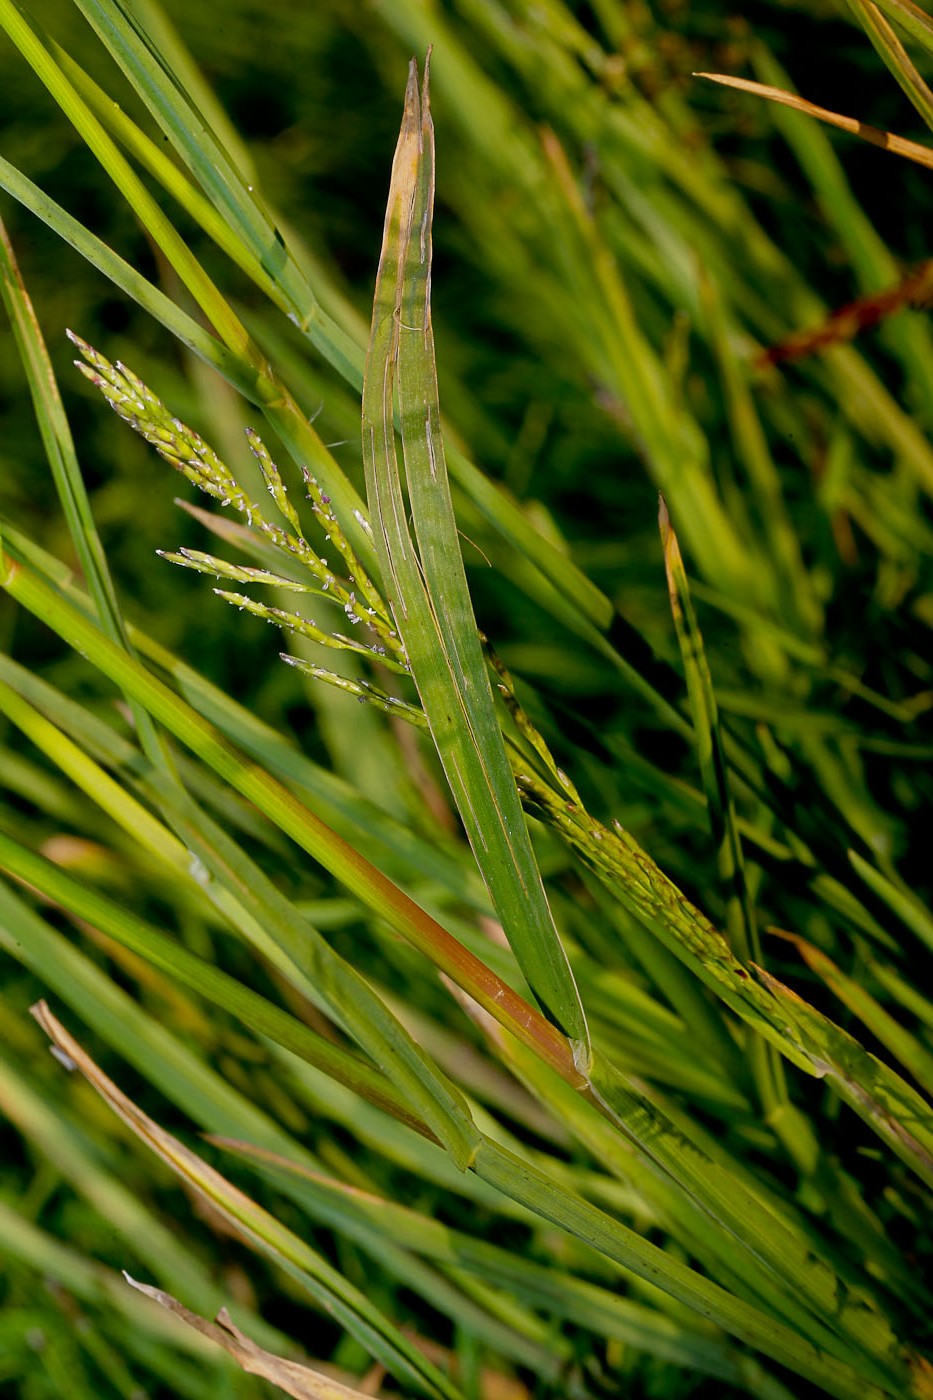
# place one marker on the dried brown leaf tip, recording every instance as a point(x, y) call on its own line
point(292, 1377)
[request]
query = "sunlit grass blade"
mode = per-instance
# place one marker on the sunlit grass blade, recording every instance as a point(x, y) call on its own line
point(427, 585)
point(391, 844)
point(897, 1039)
point(498, 1320)
point(766, 1334)
point(228, 191)
point(58, 441)
point(292, 948)
point(260, 1229)
point(159, 87)
point(129, 280)
point(895, 1111)
point(887, 44)
point(911, 150)
point(184, 327)
point(359, 1008)
point(899, 900)
point(740, 1231)
point(166, 45)
point(186, 265)
point(343, 808)
point(783, 1266)
point(800, 1032)
point(741, 920)
point(260, 1015)
point(172, 178)
point(277, 931)
point(519, 1181)
point(709, 218)
point(915, 21)
point(550, 576)
point(371, 1019)
point(66, 472)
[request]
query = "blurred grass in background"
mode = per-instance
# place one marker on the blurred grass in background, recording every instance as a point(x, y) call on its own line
point(615, 243)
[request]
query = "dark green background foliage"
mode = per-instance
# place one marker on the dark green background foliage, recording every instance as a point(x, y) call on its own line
point(565, 134)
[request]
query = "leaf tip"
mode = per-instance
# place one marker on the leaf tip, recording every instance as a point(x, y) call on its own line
point(426, 84)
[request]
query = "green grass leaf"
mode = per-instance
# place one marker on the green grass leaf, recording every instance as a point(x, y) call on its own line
point(427, 584)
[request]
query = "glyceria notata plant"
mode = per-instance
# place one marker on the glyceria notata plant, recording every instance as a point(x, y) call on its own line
point(618, 1145)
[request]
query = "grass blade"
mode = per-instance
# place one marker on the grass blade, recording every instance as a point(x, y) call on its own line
point(245, 220)
point(911, 18)
point(740, 914)
point(296, 432)
point(58, 442)
point(900, 901)
point(907, 1048)
point(66, 473)
point(911, 150)
point(427, 586)
point(561, 1293)
point(899, 64)
point(741, 921)
point(260, 1015)
point(261, 1230)
point(188, 331)
point(228, 191)
point(499, 1167)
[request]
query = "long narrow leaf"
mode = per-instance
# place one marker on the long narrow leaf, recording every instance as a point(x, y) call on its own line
point(568, 1297)
point(886, 42)
point(885, 139)
point(260, 1015)
point(907, 1048)
point(66, 473)
point(427, 585)
point(294, 428)
point(910, 17)
point(261, 1230)
point(232, 197)
point(499, 1167)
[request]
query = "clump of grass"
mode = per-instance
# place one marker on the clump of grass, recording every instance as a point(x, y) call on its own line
point(632, 1096)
